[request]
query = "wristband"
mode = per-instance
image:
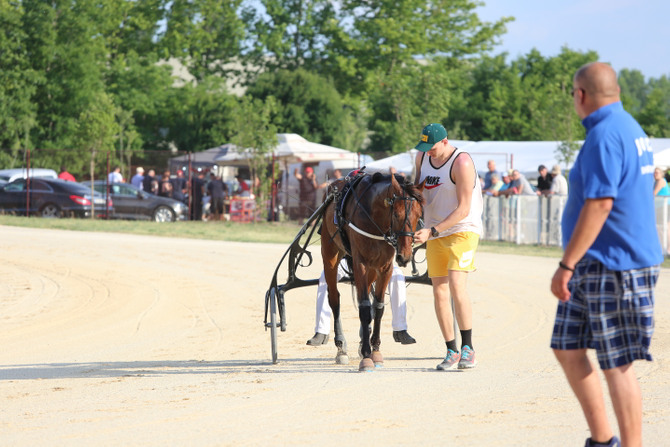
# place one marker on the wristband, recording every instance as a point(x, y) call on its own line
point(565, 267)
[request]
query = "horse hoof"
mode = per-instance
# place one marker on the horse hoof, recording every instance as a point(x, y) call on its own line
point(366, 365)
point(342, 359)
point(377, 359)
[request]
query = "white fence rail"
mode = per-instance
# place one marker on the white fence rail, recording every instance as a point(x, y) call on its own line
point(537, 220)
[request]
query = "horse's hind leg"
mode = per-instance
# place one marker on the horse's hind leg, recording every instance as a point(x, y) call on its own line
point(331, 262)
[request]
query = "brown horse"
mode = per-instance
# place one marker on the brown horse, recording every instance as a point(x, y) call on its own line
point(377, 220)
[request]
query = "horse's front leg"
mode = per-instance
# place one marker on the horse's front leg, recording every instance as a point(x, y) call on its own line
point(379, 290)
point(365, 317)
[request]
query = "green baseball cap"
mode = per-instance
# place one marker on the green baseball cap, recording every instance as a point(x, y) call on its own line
point(431, 134)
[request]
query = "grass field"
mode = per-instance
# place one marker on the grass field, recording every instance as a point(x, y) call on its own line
point(264, 232)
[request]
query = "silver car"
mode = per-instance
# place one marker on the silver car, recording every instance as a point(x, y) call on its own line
point(133, 203)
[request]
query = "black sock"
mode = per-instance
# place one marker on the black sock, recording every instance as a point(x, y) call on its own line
point(451, 344)
point(466, 338)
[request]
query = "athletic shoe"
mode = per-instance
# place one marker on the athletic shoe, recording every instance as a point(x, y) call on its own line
point(467, 358)
point(403, 337)
point(614, 442)
point(318, 339)
point(450, 361)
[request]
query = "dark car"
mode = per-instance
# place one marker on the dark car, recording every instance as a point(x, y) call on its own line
point(133, 203)
point(51, 198)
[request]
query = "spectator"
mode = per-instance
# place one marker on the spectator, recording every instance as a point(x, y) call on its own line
point(217, 191)
point(660, 184)
point(115, 176)
point(138, 178)
point(64, 175)
point(606, 278)
point(150, 183)
point(543, 181)
point(518, 186)
point(559, 185)
point(507, 181)
point(165, 186)
point(496, 184)
point(179, 186)
point(396, 289)
point(197, 188)
point(243, 188)
point(308, 187)
point(491, 165)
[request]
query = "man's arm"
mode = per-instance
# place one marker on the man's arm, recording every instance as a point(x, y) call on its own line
point(589, 224)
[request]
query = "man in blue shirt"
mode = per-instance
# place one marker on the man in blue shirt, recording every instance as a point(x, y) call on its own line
point(606, 278)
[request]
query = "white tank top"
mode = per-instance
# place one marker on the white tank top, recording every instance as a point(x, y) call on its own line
point(441, 199)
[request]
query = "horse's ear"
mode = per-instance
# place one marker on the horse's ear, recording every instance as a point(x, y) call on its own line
point(421, 185)
point(394, 181)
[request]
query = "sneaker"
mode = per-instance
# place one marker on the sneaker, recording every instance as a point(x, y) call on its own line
point(318, 339)
point(467, 358)
point(450, 361)
point(403, 337)
point(614, 442)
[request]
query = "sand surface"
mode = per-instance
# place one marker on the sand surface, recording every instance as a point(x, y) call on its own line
point(110, 339)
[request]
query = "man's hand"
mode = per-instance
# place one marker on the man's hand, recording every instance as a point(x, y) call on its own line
point(559, 284)
point(421, 236)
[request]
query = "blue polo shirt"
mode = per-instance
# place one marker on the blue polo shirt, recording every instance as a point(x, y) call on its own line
point(616, 161)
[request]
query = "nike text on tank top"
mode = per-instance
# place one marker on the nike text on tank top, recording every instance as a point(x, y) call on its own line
point(441, 199)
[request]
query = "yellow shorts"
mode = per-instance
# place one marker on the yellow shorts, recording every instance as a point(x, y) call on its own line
point(453, 252)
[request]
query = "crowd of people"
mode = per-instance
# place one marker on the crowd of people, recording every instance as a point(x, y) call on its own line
point(512, 182)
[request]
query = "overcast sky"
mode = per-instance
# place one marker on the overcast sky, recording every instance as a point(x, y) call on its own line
point(632, 34)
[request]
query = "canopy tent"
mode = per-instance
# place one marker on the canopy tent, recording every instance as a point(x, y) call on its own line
point(204, 159)
point(293, 148)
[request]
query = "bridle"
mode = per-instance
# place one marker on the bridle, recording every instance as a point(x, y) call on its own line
point(390, 237)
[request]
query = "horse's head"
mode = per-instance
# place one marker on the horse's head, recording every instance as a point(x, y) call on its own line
point(406, 203)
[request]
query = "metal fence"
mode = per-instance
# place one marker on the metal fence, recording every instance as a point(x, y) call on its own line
point(537, 220)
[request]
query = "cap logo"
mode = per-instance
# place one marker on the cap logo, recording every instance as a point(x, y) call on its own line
point(424, 138)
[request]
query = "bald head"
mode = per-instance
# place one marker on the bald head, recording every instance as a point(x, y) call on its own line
point(598, 79)
point(595, 86)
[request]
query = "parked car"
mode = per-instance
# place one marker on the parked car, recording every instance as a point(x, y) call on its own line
point(9, 175)
point(51, 198)
point(132, 203)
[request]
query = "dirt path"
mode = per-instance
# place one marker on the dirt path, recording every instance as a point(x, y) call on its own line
point(112, 339)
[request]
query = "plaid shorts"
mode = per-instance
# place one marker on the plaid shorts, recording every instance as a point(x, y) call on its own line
point(609, 311)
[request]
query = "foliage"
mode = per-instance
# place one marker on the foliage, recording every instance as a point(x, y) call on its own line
point(255, 132)
point(363, 75)
point(308, 104)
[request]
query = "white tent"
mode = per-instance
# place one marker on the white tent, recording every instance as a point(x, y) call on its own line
point(293, 148)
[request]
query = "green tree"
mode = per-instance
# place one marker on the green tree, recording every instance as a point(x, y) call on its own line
point(288, 34)
point(654, 117)
point(634, 90)
point(255, 132)
point(309, 104)
point(17, 85)
point(205, 35)
point(96, 130)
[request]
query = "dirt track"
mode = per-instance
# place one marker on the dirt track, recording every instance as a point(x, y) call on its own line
point(113, 339)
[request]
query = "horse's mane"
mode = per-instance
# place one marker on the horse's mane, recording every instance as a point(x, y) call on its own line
point(410, 188)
